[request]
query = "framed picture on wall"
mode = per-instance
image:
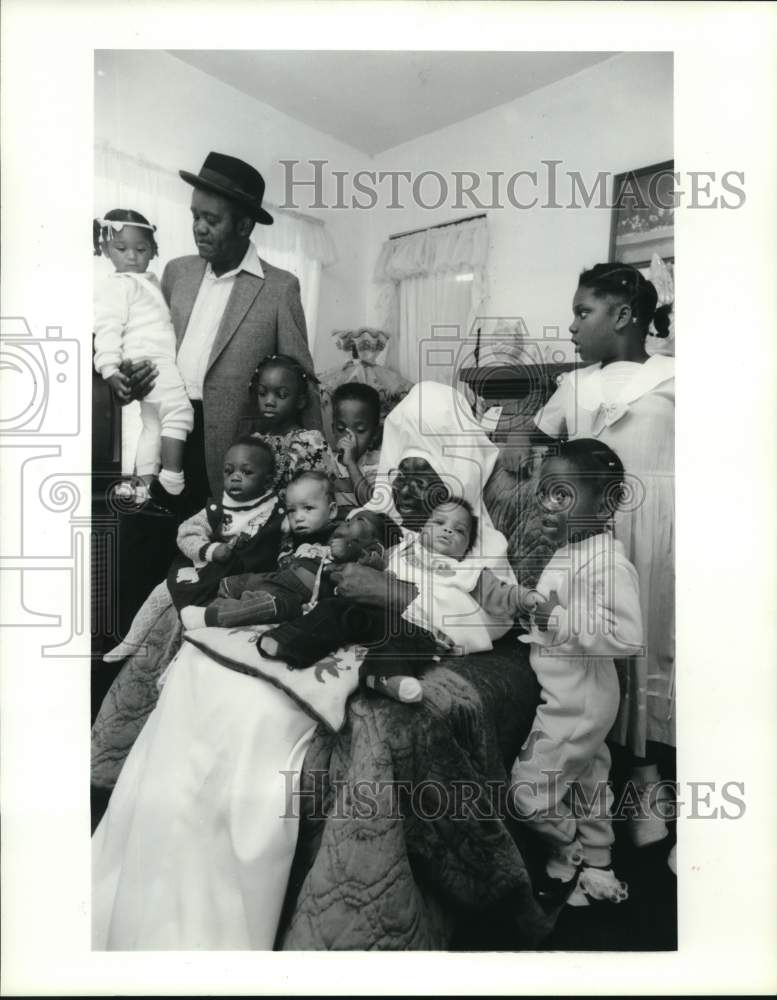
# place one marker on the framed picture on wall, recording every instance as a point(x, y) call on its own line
point(643, 215)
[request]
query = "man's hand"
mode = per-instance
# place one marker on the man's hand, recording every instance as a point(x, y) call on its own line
point(221, 554)
point(139, 376)
point(365, 585)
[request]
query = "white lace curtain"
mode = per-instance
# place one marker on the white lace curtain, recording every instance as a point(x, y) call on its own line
point(294, 242)
point(431, 289)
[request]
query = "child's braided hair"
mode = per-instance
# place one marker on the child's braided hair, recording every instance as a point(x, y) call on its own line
point(625, 282)
point(102, 233)
point(304, 377)
point(598, 464)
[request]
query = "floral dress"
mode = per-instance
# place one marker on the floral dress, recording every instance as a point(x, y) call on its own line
point(299, 451)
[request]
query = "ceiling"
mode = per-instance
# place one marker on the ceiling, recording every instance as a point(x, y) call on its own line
point(376, 100)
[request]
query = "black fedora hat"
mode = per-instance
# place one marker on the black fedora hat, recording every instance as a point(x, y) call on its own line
point(233, 179)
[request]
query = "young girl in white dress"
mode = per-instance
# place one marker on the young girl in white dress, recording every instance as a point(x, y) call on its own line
point(625, 398)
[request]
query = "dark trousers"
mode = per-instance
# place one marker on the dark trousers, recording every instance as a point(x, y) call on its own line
point(147, 541)
point(396, 647)
point(194, 468)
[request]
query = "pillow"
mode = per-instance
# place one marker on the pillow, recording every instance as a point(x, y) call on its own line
point(322, 690)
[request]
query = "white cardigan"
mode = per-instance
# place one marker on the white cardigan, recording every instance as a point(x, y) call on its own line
point(131, 320)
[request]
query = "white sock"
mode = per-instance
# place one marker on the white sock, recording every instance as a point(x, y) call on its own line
point(173, 482)
point(193, 617)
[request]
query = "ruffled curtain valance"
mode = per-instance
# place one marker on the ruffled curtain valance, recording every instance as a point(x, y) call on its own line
point(118, 172)
point(457, 249)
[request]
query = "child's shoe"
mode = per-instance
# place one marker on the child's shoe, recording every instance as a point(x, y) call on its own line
point(130, 493)
point(656, 805)
point(404, 689)
point(599, 884)
point(561, 874)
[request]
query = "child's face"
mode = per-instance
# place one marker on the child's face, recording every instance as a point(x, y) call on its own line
point(572, 505)
point(247, 472)
point(308, 507)
point(355, 416)
point(353, 536)
point(277, 397)
point(593, 329)
point(129, 250)
point(447, 531)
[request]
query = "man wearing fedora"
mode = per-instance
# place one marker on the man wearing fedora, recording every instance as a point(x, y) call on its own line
point(229, 310)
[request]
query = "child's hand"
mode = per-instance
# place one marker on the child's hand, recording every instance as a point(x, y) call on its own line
point(221, 554)
point(344, 549)
point(543, 609)
point(346, 447)
point(120, 387)
point(526, 600)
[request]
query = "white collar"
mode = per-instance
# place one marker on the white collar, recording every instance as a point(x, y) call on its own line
point(229, 504)
point(249, 263)
point(657, 369)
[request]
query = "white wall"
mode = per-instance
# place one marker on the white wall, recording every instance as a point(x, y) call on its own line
point(612, 117)
point(150, 103)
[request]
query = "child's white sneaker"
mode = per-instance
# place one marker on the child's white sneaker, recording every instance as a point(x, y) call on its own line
point(600, 884)
point(405, 689)
point(655, 806)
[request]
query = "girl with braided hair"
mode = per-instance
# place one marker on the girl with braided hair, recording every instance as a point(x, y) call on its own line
point(279, 389)
point(624, 398)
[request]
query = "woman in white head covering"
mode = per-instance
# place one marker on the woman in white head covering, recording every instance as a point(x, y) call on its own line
point(432, 448)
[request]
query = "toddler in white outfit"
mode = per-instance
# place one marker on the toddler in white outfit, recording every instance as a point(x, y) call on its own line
point(132, 322)
point(586, 612)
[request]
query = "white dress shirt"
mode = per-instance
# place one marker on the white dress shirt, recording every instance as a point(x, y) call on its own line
point(204, 322)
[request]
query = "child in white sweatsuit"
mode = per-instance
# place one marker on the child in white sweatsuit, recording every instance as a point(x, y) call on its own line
point(586, 612)
point(132, 321)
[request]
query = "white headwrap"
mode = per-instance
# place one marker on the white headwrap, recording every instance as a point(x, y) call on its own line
point(435, 422)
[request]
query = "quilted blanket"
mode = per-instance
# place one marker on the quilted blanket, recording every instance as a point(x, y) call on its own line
point(403, 830)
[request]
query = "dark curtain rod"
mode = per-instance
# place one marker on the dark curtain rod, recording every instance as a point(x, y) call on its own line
point(441, 225)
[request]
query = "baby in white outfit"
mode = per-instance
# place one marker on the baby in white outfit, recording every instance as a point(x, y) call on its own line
point(132, 322)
